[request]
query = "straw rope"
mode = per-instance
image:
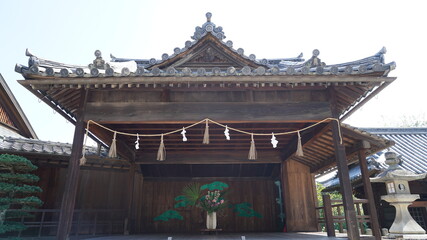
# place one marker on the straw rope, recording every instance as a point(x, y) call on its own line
point(206, 121)
point(219, 124)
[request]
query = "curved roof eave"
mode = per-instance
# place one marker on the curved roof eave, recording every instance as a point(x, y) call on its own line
point(127, 67)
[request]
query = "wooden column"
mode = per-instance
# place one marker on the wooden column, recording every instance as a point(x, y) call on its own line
point(131, 185)
point(329, 218)
point(72, 179)
point(369, 194)
point(343, 174)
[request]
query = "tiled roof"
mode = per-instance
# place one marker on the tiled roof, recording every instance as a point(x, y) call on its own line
point(127, 67)
point(333, 183)
point(411, 143)
point(57, 154)
point(26, 145)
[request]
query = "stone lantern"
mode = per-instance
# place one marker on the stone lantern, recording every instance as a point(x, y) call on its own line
point(399, 196)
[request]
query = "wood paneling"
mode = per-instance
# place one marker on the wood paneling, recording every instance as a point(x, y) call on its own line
point(210, 157)
point(108, 190)
point(207, 95)
point(97, 189)
point(4, 118)
point(158, 196)
point(173, 112)
point(299, 197)
point(136, 215)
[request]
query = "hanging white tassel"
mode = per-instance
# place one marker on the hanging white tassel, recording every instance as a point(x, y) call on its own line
point(113, 150)
point(227, 133)
point(252, 151)
point(183, 132)
point(137, 142)
point(161, 154)
point(83, 158)
point(206, 135)
point(274, 141)
point(299, 152)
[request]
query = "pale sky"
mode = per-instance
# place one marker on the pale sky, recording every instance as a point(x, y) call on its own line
point(70, 32)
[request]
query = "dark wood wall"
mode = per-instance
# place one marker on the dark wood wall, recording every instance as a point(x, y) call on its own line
point(159, 196)
point(109, 190)
point(97, 189)
point(178, 105)
point(299, 197)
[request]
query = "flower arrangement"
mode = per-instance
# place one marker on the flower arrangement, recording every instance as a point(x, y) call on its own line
point(212, 201)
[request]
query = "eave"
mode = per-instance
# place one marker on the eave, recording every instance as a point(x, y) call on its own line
point(58, 92)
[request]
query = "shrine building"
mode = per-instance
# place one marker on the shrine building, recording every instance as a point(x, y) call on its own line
point(283, 118)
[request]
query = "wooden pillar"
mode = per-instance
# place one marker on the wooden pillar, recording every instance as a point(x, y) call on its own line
point(72, 179)
point(131, 185)
point(343, 174)
point(369, 194)
point(329, 218)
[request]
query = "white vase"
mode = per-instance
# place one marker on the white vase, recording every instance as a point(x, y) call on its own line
point(211, 220)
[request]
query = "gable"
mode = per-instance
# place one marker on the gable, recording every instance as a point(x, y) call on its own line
point(209, 52)
point(11, 114)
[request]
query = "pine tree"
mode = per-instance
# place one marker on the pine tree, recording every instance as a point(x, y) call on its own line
point(16, 191)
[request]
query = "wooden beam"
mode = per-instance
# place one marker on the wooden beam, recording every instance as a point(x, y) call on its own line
point(332, 161)
point(369, 194)
point(343, 173)
point(212, 79)
point(105, 136)
point(218, 111)
point(311, 139)
point(362, 137)
point(71, 182)
point(68, 116)
point(365, 100)
point(209, 157)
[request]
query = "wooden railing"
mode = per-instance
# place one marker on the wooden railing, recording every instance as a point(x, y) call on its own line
point(331, 214)
point(44, 222)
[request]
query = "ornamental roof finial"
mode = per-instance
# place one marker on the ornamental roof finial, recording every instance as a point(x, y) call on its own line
point(208, 16)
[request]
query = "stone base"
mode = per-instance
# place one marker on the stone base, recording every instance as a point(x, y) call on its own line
point(406, 236)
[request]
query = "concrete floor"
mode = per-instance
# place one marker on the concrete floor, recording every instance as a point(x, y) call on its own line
point(228, 236)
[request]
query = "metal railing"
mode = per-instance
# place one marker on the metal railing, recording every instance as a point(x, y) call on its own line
point(44, 222)
point(331, 214)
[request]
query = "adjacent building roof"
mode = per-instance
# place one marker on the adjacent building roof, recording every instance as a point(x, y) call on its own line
point(410, 143)
point(12, 119)
point(56, 153)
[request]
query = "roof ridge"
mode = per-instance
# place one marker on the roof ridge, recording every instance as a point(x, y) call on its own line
point(277, 66)
point(397, 130)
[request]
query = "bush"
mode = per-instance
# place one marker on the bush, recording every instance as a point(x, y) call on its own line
point(16, 191)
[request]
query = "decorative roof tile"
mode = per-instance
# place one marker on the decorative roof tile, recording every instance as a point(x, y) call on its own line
point(127, 67)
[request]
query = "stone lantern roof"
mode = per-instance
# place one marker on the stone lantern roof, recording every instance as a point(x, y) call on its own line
point(395, 171)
